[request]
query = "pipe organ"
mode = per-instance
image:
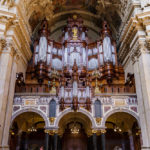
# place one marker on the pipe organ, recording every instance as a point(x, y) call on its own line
point(75, 69)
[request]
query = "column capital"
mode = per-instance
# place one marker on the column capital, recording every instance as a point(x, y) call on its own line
point(8, 47)
point(98, 131)
point(142, 47)
point(129, 132)
point(2, 44)
point(51, 131)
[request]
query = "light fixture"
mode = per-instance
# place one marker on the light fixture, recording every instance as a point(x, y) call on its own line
point(75, 128)
point(117, 129)
point(32, 128)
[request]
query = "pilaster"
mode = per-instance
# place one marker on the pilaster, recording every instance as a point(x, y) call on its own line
point(6, 60)
point(141, 65)
point(9, 106)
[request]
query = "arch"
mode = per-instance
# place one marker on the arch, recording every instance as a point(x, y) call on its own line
point(31, 110)
point(120, 110)
point(81, 110)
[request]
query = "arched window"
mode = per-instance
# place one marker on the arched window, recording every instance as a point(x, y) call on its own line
point(52, 108)
point(98, 109)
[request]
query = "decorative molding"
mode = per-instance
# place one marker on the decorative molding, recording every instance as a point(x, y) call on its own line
point(9, 3)
point(2, 44)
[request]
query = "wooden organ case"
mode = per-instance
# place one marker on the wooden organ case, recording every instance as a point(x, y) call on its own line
point(74, 69)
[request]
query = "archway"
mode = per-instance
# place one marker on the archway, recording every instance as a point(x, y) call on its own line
point(122, 131)
point(75, 127)
point(27, 132)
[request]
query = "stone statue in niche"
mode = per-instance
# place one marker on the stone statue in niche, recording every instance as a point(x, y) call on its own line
point(43, 43)
point(107, 46)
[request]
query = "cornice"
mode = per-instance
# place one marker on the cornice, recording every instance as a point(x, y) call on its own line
point(14, 28)
point(133, 39)
point(127, 36)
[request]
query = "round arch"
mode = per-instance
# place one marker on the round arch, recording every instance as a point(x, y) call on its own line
point(81, 110)
point(31, 110)
point(120, 110)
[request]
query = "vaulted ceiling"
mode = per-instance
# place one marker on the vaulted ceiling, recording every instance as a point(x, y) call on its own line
point(93, 13)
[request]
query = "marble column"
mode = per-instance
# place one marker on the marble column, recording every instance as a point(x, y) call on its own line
point(123, 142)
point(26, 141)
point(55, 141)
point(94, 141)
point(50, 142)
point(103, 141)
point(142, 81)
point(6, 61)
point(46, 141)
point(90, 143)
point(18, 146)
point(131, 140)
point(59, 143)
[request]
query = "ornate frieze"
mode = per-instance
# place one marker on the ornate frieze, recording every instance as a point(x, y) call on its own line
point(106, 101)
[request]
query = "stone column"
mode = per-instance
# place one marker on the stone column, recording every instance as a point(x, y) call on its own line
point(46, 141)
point(10, 103)
point(142, 81)
point(94, 141)
point(18, 146)
point(131, 140)
point(26, 141)
point(6, 60)
point(55, 141)
point(90, 143)
point(123, 142)
point(103, 141)
point(50, 142)
point(59, 143)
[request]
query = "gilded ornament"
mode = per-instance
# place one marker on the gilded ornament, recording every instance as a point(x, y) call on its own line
point(46, 131)
point(52, 132)
point(52, 119)
point(98, 120)
point(75, 33)
point(53, 90)
point(103, 131)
